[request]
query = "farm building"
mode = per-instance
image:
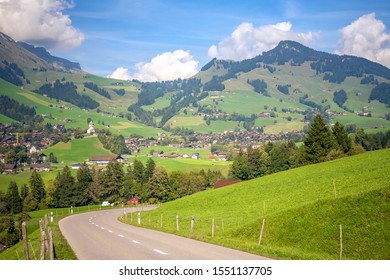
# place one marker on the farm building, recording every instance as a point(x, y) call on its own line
point(40, 167)
point(135, 200)
point(104, 160)
point(224, 183)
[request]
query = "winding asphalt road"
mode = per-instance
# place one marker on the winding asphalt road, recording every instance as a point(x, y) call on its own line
point(100, 236)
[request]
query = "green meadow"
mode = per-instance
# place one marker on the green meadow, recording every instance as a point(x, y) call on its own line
point(183, 164)
point(302, 210)
point(24, 177)
point(81, 150)
point(77, 150)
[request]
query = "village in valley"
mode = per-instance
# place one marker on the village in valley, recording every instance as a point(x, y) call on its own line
point(27, 149)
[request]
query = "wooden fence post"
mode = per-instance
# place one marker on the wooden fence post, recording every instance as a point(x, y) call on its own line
point(25, 240)
point(261, 232)
point(51, 243)
point(177, 223)
point(341, 242)
point(43, 239)
point(192, 224)
point(212, 227)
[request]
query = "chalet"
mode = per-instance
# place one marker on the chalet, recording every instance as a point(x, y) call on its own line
point(40, 167)
point(42, 157)
point(76, 166)
point(171, 155)
point(119, 158)
point(10, 168)
point(34, 150)
point(135, 200)
point(59, 127)
point(157, 153)
point(212, 157)
point(195, 156)
point(9, 140)
point(101, 160)
point(222, 158)
point(224, 183)
point(104, 160)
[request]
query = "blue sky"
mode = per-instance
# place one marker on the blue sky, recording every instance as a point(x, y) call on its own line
point(162, 39)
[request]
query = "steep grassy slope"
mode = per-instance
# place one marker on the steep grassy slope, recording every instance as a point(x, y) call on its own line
point(303, 209)
point(78, 150)
point(61, 111)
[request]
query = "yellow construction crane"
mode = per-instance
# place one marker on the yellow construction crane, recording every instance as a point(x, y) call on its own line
point(17, 136)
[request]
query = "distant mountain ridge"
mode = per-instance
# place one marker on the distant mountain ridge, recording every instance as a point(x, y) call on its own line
point(336, 67)
point(57, 62)
point(29, 57)
point(275, 92)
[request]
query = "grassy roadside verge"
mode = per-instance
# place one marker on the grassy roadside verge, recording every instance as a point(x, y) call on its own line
point(62, 248)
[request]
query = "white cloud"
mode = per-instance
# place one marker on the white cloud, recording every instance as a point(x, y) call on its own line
point(40, 22)
point(366, 37)
point(163, 67)
point(121, 73)
point(247, 41)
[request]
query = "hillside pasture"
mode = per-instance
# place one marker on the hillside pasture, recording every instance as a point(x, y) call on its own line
point(303, 209)
point(77, 150)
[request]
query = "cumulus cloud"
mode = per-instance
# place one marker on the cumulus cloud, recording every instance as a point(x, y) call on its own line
point(121, 73)
point(247, 41)
point(39, 22)
point(163, 67)
point(366, 37)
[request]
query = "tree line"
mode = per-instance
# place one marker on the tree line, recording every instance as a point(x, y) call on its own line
point(12, 73)
point(94, 87)
point(322, 143)
point(67, 92)
point(150, 182)
point(13, 109)
point(114, 143)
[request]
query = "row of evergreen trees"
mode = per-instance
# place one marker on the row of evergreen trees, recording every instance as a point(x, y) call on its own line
point(150, 182)
point(321, 144)
point(67, 91)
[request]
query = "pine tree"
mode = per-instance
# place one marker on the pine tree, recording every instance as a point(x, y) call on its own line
point(139, 172)
point(95, 190)
point(37, 187)
point(84, 178)
point(14, 201)
point(159, 184)
point(114, 180)
point(318, 142)
point(64, 189)
point(239, 168)
point(342, 139)
point(150, 166)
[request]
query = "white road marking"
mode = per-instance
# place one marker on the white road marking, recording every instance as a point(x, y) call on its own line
point(120, 235)
point(136, 242)
point(110, 231)
point(102, 227)
point(160, 252)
